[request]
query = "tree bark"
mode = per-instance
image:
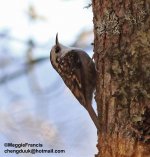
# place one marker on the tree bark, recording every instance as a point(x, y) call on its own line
point(122, 60)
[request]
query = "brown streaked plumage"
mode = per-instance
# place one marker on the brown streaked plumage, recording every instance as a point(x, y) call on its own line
point(77, 70)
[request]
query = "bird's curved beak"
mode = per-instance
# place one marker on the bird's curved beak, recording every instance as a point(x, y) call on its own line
point(56, 40)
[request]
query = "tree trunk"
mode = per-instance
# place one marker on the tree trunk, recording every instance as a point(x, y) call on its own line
point(122, 57)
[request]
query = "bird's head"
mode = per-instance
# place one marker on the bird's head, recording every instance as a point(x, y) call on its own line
point(58, 51)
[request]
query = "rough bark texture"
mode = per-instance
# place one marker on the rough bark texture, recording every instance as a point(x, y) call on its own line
point(122, 57)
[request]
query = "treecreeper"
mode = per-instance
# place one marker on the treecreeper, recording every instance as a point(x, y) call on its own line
point(78, 72)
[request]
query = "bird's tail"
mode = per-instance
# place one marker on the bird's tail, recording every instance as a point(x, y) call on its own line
point(93, 116)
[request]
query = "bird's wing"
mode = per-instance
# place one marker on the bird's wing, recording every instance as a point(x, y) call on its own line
point(73, 75)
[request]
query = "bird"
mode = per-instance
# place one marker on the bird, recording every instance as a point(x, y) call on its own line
point(78, 72)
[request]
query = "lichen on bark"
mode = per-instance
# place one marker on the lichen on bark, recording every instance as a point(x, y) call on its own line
point(122, 57)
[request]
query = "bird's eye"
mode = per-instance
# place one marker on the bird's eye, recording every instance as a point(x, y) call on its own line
point(57, 49)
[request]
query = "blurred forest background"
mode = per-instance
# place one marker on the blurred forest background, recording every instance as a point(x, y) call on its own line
point(35, 105)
